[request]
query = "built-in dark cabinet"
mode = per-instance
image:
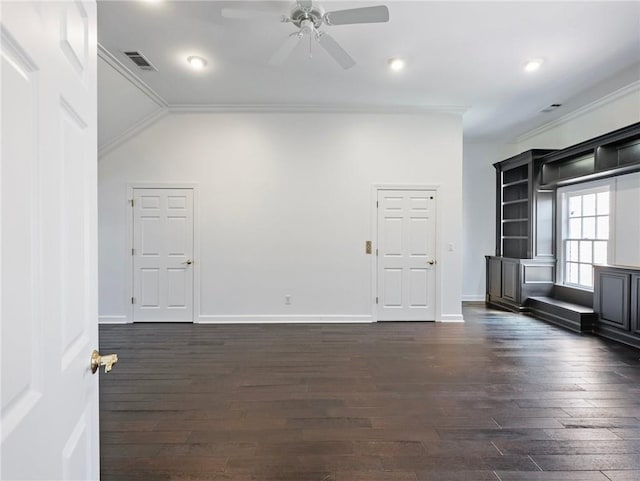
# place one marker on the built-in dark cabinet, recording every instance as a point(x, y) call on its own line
point(615, 153)
point(524, 232)
point(615, 300)
point(517, 205)
point(512, 281)
point(521, 275)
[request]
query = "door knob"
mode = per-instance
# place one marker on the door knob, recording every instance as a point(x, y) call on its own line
point(431, 262)
point(188, 262)
point(107, 361)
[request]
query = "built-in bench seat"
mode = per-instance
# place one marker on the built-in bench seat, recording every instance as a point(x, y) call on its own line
point(575, 317)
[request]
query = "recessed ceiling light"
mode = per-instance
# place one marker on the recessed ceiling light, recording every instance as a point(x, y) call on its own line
point(533, 64)
point(396, 64)
point(197, 63)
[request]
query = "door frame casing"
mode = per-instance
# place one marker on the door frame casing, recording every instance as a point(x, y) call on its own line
point(196, 241)
point(375, 188)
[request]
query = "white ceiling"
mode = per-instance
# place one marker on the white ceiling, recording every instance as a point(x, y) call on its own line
point(459, 54)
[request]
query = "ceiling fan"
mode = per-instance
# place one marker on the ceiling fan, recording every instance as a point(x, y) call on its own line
point(309, 17)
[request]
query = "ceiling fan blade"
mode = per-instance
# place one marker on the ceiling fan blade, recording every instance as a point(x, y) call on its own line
point(336, 51)
point(247, 14)
point(358, 15)
point(286, 49)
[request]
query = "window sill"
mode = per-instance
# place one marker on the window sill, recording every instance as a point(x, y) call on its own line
point(577, 288)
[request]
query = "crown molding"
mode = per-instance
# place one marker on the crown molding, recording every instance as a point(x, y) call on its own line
point(616, 94)
point(314, 108)
point(119, 67)
point(131, 132)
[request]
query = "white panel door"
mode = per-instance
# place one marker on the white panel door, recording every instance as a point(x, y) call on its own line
point(162, 255)
point(48, 295)
point(406, 255)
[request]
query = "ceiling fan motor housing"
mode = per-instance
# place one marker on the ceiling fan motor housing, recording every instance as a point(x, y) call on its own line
point(315, 15)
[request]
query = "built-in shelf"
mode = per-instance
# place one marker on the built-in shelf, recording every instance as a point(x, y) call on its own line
point(615, 153)
point(518, 201)
point(517, 204)
point(517, 182)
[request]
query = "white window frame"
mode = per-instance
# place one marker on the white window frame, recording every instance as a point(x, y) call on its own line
point(562, 222)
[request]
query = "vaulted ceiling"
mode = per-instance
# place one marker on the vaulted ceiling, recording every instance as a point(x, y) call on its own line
point(465, 56)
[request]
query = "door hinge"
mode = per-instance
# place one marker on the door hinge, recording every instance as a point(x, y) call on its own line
point(133, 251)
point(133, 300)
point(131, 201)
point(376, 300)
point(376, 252)
point(377, 204)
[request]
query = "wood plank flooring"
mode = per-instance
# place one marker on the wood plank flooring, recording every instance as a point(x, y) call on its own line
point(502, 397)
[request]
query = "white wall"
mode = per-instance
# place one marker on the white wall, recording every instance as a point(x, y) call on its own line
point(285, 206)
point(626, 235)
point(613, 112)
point(479, 212)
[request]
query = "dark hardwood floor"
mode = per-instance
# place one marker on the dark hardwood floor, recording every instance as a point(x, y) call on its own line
point(501, 397)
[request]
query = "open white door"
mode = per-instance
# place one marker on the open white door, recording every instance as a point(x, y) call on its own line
point(48, 296)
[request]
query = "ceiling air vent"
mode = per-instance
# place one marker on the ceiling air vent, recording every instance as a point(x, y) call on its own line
point(551, 108)
point(140, 60)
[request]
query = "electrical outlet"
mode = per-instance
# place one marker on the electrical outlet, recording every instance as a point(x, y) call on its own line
point(287, 300)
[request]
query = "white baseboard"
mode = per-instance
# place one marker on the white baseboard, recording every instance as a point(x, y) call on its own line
point(113, 320)
point(451, 318)
point(283, 319)
point(473, 298)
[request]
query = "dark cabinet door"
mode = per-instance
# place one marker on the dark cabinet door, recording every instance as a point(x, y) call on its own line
point(510, 280)
point(495, 278)
point(635, 303)
point(611, 300)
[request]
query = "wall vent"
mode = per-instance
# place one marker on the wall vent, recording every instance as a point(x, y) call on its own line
point(140, 60)
point(551, 108)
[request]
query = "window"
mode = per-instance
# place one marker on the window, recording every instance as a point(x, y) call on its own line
point(585, 233)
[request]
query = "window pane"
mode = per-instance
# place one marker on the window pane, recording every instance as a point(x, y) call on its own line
point(571, 272)
point(572, 251)
point(599, 252)
point(586, 275)
point(603, 203)
point(575, 203)
point(575, 228)
point(603, 227)
point(585, 251)
point(589, 204)
point(589, 228)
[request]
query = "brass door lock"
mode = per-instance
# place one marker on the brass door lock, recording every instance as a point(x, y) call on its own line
point(107, 361)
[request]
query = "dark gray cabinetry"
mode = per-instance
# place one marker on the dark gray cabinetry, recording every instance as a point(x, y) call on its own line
point(635, 304)
point(615, 153)
point(616, 302)
point(512, 281)
point(524, 260)
point(520, 205)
